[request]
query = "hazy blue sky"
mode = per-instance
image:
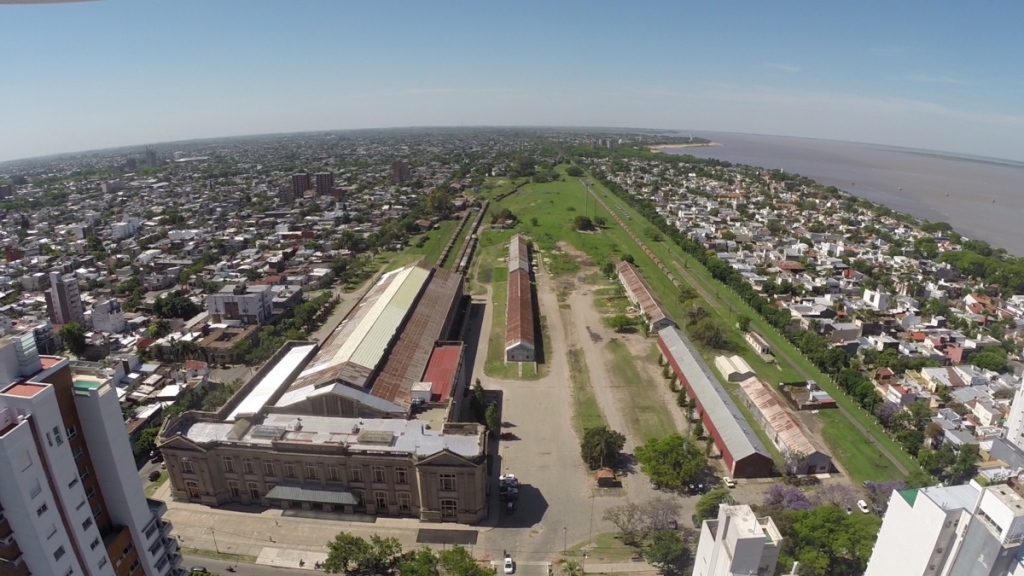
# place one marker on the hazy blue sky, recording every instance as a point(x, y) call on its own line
point(936, 74)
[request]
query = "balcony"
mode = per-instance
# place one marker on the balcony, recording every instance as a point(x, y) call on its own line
point(170, 545)
point(157, 507)
point(165, 528)
point(13, 563)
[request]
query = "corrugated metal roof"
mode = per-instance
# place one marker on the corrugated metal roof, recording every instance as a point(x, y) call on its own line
point(441, 370)
point(739, 438)
point(518, 254)
point(318, 495)
point(273, 380)
point(356, 347)
point(519, 310)
point(409, 356)
point(641, 292)
point(783, 424)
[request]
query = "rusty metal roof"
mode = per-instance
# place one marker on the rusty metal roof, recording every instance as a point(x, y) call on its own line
point(519, 310)
point(408, 358)
point(635, 284)
point(442, 370)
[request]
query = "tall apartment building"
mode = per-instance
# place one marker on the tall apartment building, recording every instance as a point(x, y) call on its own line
point(400, 172)
point(737, 543)
point(70, 494)
point(151, 158)
point(300, 183)
point(250, 305)
point(962, 530)
point(1015, 420)
point(107, 316)
point(63, 300)
point(6, 191)
point(324, 183)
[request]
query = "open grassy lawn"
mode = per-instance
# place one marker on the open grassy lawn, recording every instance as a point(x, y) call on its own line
point(847, 443)
point(202, 553)
point(585, 407)
point(495, 365)
point(607, 548)
point(431, 249)
point(154, 486)
point(463, 234)
point(645, 410)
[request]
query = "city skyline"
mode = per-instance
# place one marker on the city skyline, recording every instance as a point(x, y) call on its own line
point(100, 76)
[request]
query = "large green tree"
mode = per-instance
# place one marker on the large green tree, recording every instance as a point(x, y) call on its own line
point(673, 461)
point(352, 555)
point(601, 446)
point(73, 335)
point(667, 551)
point(829, 542)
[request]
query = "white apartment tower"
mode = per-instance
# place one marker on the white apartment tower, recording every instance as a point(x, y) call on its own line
point(108, 316)
point(250, 305)
point(63, 300)
point(738, 543)
point(1015, 420)
point(71, 502)
point(963, 530)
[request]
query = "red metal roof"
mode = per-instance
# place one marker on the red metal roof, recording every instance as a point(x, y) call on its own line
point(519, 310)
point(25, 390)
point(442, 370)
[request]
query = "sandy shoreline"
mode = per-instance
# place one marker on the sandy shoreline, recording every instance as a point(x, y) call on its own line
point(660, 147)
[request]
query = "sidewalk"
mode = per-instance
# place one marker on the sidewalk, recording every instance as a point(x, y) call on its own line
point(621, 567)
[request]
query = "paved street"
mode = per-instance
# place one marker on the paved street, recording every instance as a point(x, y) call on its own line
point(220, 567)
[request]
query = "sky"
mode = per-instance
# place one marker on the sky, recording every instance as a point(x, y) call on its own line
point(936, 75)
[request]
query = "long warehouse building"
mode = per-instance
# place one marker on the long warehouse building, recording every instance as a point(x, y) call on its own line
point(744, 454)
point(520, 342)
point(640, 294)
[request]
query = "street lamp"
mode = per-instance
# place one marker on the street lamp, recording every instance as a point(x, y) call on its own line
point(565, 532)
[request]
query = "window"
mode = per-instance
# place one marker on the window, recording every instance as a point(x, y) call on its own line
point(448, 508)
point(378, 473)
point(58, 553)
point(96, 511)
point(358, 494)
point(404, 502)
point(35, 490)
point(76, 452)
point(90, 492)
point(254, 491)
point(95, 542)
point(332, 474)
point(69, 571)
point(229, 465)
point(134, 565)
point(72, 432)
point(268, 468)
point(159, 565)
point(447, 482)
point(235, 491)
point(186, 466)
point(83, 472)
point(52, 531)
point(381, 498)
point(401, 475)
point(80, 504)
point(192, 487)
point(150, 530)
point(103, 562)
point(87, 524)
point(289, 470)
point(73, 482)
point(41, 510)
point(248, 467)
point(57, 436)
point(49, 439)
point(355, 474)
point(311, 472)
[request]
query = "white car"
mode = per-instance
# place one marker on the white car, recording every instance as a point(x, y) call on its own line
point(510, 566)
point(863, 506)
point(729, 482)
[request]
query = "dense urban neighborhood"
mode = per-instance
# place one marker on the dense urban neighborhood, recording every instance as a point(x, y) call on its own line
point(458, 351)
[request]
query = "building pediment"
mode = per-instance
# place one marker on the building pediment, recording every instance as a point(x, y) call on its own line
point(180, 443)
point(445, 458)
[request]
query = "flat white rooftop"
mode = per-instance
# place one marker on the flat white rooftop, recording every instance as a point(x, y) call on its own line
point(274, 379)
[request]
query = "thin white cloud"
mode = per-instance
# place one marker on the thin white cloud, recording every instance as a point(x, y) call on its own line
point(934, 79)
point(784, 67)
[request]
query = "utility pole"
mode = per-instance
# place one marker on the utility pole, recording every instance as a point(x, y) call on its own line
point(214, 534)
point(565, 532)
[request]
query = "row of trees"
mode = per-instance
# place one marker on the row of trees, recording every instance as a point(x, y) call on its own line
point(355, 556)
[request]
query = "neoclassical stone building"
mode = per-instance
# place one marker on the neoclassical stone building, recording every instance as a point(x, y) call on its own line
point(375, 466)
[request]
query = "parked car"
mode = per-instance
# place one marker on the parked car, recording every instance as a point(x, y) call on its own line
point(195, 569)
point(863, 506)
point(729, 482)
point(510, 507)
point(156, 456)
point(655, 485)
point(510, 566)
point(154, 475)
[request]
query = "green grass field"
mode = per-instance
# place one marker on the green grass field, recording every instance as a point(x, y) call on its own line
point(858, 455)
point(644, 409)
point(585, 407)
point(154, 486)
point(607, 547)
point(463, 234)
point(431, 249)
